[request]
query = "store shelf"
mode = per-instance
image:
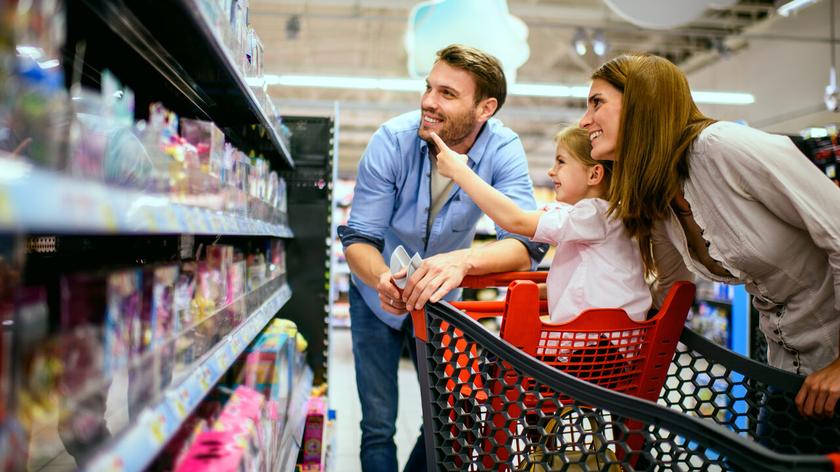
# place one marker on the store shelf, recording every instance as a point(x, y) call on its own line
point(37, 200)
point(136, 447)
point(341, 268)
point(716, 301)
point(178, 42)
point(240, 85)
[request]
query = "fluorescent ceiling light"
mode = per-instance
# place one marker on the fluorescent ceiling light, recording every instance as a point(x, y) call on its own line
point(792, 6)
point(417, 85)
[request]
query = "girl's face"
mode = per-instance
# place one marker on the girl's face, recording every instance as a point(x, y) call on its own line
point(570, 177)
point(602, 119)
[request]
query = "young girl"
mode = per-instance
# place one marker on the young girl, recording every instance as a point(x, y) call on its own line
point(597, 265)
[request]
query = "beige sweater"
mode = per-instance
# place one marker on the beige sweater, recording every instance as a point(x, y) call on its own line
point(773, 221)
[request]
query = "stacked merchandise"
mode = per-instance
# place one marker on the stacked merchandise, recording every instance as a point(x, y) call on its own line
point(91, 134)
point(115, 332)
point(229, 19)
point(243, 430)
point(711, 315)
point(133, 331)
point(339, 270)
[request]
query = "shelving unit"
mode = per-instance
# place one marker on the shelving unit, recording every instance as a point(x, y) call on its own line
point(731, 304)
point(136, 447)
point(166, 52)
point(174, 41)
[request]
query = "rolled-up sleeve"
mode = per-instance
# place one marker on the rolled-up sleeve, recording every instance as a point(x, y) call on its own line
point(512, 179)
point(374, 194)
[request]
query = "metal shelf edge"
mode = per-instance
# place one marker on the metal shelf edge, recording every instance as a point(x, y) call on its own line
point(68, 204)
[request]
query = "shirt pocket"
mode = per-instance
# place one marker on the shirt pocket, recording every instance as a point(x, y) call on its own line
point(461, 214)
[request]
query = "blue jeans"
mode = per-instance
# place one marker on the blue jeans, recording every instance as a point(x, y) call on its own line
point(376, 352)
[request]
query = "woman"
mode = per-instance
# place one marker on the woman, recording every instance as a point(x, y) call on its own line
point(728, 203)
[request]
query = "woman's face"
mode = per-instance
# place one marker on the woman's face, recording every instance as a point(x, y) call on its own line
point(602, 118)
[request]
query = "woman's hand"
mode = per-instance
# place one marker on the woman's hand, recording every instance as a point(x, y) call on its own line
point(819, 393)
point(449, 162)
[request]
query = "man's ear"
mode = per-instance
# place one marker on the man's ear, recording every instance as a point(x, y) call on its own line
point(596, 174)
point(486, 108)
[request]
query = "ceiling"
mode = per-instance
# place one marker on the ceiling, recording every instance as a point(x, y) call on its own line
point(365, 38)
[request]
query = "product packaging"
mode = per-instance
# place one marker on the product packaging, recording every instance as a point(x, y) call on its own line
point(313, 432)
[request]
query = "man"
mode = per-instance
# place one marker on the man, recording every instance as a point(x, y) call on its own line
point(400, 199)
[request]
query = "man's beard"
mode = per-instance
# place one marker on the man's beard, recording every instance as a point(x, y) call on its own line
point(454, 131)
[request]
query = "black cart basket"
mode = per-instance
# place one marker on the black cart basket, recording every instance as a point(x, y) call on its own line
point(487, 405)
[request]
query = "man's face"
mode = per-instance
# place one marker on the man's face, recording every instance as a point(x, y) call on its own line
point(448, 107)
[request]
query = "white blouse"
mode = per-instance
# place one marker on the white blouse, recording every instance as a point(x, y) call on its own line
point(772, 219)
point(596, 264)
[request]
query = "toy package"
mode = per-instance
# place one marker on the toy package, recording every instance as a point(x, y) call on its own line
point(313, 432)
point(209, 142)
point(213, 450)
point(256, 271)
point(219, 260)
point(123, 319)
point(162, 311)
point(83, 299)
point(236, 290)
point(277, 258)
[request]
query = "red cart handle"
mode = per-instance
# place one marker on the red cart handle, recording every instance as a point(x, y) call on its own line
point(501, 279)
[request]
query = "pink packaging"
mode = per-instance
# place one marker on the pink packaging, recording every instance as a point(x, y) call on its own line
point(313, 433)
point(216, 451)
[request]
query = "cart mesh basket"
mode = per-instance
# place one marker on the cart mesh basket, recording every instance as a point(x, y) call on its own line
point(752, 399)
point(489, 406)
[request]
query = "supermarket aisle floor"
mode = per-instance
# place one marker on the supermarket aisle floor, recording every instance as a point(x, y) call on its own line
point(345, 400)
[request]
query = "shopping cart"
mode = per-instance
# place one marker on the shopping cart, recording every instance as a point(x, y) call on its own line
point(498, 404)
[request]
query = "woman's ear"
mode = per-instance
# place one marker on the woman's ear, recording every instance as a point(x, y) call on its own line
point(596, 175)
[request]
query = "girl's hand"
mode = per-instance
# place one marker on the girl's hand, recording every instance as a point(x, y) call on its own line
point(449, 162)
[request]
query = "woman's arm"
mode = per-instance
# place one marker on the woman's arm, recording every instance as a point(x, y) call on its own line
point(495, 204)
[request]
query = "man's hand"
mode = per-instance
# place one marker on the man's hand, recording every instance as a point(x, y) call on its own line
point(436, 277)
point(819, 393)
point(389, 294)
point(449, 162)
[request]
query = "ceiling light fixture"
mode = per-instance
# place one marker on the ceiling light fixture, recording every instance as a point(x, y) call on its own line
point(579, 41)
point(521, 89)
point(793, 6)
point(599, 43)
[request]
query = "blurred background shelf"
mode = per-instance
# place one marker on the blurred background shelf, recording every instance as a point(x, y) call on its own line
point(177, 40)
point(68, 205)
point(137, 446)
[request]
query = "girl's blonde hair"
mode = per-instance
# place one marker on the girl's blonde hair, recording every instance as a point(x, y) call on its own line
point(576, 141)
point(659, 121)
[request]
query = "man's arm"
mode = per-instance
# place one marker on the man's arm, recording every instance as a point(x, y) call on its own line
point(373, 203)
point(440, 274)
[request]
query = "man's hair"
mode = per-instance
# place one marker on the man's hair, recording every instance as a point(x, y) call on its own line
point(659, 122)
point(485, 69)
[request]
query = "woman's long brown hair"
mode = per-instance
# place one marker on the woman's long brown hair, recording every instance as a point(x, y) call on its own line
point(659, 121)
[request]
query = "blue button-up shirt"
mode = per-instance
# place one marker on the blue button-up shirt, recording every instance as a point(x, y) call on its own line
point(392, 198)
